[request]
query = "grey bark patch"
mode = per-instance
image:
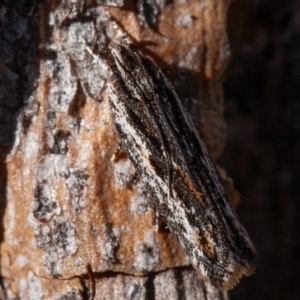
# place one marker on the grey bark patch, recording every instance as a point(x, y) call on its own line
point(60, 144)
point(43, 207)
point(111, 2)
point(76, 180)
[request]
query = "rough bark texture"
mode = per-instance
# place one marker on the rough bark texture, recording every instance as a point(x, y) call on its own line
point(65, 202)
point(262, 150)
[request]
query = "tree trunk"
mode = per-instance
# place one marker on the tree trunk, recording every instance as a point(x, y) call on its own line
point(65, 202)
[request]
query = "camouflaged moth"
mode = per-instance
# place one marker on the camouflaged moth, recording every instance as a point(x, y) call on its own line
point(172, 160)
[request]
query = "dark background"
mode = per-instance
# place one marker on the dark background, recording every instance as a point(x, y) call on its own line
point(262, 111)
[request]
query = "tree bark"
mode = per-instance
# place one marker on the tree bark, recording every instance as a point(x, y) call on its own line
point(65, 202)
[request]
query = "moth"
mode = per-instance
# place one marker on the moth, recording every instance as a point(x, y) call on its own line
point(173, 162)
